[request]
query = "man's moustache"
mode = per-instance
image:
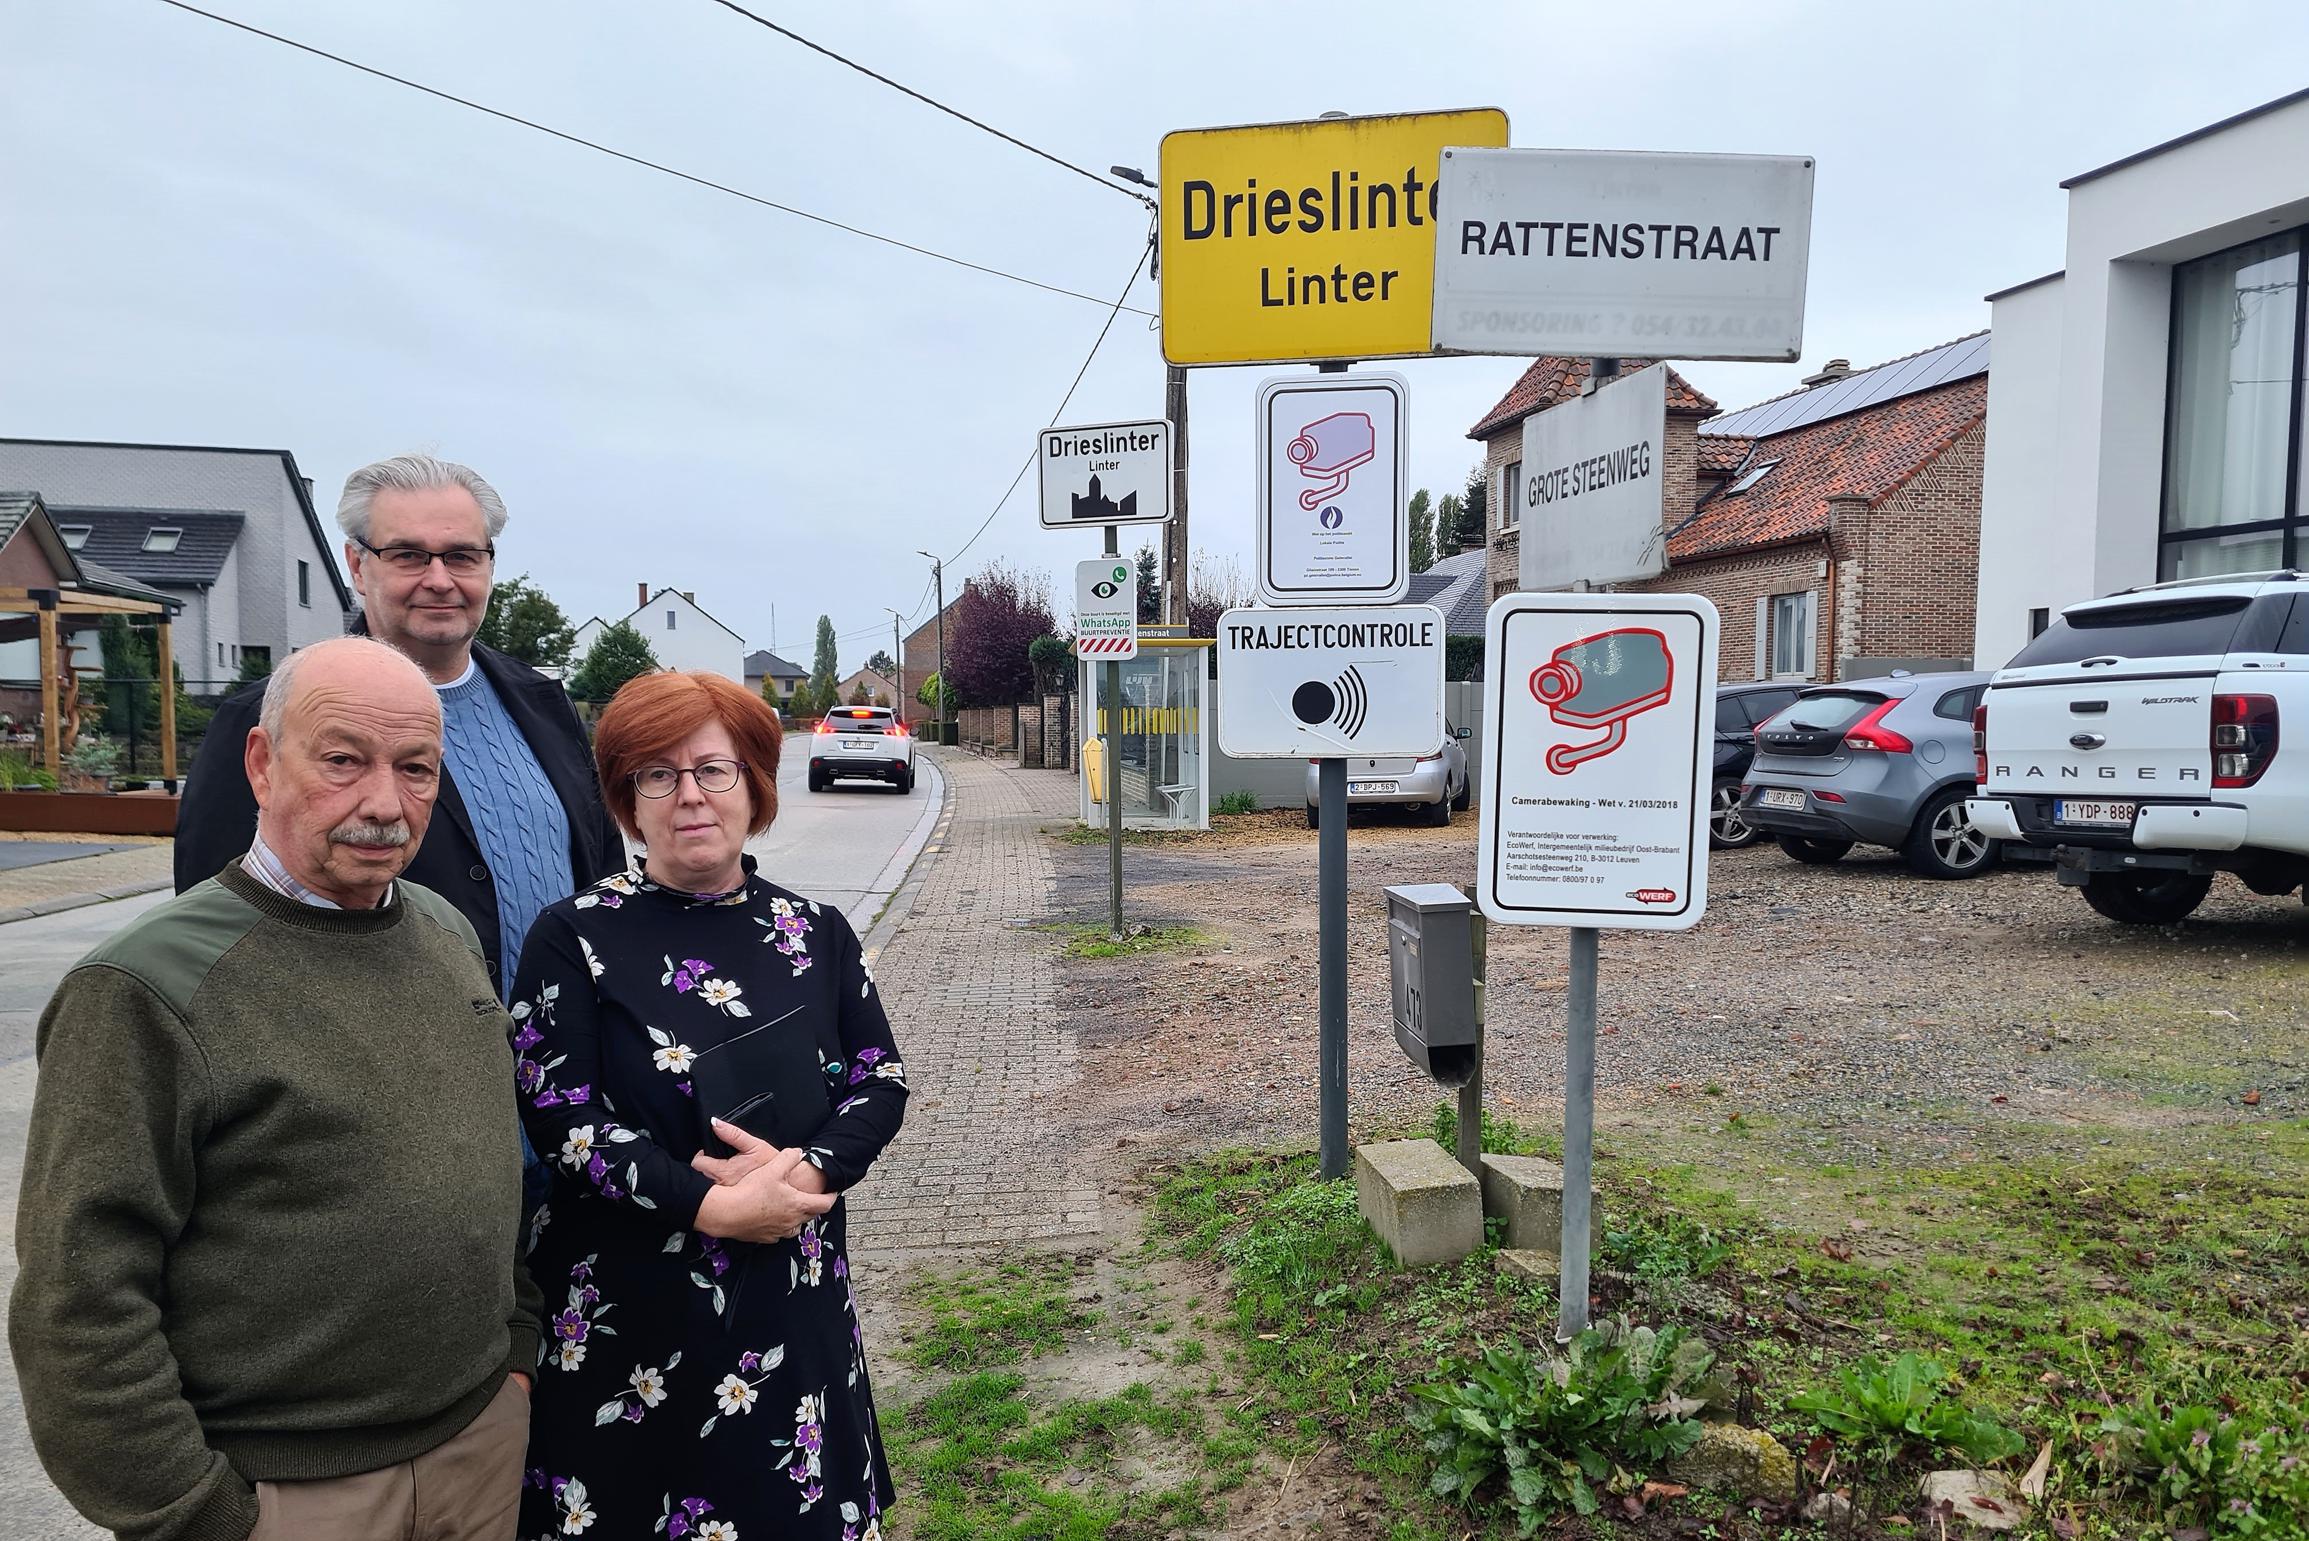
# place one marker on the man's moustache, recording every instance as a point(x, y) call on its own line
point(362, 833)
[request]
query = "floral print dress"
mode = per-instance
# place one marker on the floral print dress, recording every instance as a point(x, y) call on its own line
point(692, 1388)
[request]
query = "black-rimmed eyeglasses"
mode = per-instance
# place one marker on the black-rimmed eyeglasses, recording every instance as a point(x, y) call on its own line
point(713, 776)
point(462, 561)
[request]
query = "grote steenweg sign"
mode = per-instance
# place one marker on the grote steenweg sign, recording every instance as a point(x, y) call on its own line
point(1307, 240)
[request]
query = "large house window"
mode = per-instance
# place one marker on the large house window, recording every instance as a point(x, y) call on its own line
point(1511, 496)
point(2233, 412)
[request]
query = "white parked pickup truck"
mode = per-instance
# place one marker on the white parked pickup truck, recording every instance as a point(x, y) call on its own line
point(2140, 739)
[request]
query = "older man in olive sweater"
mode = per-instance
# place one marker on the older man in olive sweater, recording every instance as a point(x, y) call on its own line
point(268, 1229)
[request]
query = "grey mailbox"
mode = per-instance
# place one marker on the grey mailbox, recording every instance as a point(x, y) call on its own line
point(1430, 959)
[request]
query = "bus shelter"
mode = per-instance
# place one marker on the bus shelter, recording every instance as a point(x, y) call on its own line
point(1162, 731)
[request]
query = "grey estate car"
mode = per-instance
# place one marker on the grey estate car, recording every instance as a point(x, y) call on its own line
point(1873, 762)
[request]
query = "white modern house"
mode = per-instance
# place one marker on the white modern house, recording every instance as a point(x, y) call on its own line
point(230, 534)
point(2147, 412)
point(682, 635)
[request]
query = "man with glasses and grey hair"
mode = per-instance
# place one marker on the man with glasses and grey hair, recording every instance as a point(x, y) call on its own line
point(524, 820)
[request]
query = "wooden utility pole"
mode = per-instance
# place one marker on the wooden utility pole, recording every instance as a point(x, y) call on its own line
point(166, 669)
point(1175, 547)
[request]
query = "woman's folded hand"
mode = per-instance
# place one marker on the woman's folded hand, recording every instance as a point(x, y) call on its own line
point(752, 1198)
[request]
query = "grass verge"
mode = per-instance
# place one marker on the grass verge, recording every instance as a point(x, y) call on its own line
point(1098, 942)
point(2167, 1270)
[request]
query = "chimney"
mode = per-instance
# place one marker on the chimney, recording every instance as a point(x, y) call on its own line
point(643, 589)
point(690, 594)
point(1835, 369)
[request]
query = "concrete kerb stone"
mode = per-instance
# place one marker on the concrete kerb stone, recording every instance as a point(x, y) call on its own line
point(927, 834)
point(63, 902)
point(1423, 1204)
point(1527, 1193)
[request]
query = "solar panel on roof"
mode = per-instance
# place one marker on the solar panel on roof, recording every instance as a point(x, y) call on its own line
point(1958, 360)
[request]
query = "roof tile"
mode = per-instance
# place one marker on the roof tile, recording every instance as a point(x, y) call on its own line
point(1552, 380)
point(1869, 453)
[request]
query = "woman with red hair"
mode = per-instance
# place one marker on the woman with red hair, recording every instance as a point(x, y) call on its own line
point(704, 1062)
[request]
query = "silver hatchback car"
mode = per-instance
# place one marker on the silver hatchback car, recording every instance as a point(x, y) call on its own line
point(1873, 762)
point(1435, 784)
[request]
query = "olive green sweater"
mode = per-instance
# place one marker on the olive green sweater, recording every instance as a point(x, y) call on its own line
point(271, 1197)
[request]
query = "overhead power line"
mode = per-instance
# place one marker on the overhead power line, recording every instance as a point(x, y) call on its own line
point(1096, 344)
point(636, 160)
point(929, 101)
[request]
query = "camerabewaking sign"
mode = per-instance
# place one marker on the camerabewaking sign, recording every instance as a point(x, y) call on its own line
point(1356, 680)
point(1588, 501)
point(1333, 526)
point(1105, 609)
point(1598, 758)
point(1105, 473)
point(1602, 253)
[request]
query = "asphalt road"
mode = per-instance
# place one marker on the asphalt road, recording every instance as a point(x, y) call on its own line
point(849, 846)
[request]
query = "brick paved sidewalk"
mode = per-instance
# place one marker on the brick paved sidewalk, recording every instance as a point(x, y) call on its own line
point(972, 987)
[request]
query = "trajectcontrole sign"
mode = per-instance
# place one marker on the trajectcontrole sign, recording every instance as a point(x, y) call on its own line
point(1602, 253)
point(1311, 240)
point(1333, 524)
point(1598, 757)
point(1356, 680)
point(1105, 609)
point(1105, 473)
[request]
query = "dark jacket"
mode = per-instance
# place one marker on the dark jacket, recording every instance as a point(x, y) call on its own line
point(218, 816)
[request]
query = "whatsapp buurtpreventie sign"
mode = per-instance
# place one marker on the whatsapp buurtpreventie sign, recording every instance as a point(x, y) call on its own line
point(1308, 240)
point(1602, 253)
point(1599, 713)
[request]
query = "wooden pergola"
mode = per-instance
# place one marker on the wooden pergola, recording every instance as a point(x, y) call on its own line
point(52, 607)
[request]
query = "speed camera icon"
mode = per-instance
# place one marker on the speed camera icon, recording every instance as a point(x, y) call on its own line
point(1328, 449)
point(1343, 702)
point(1601, 682)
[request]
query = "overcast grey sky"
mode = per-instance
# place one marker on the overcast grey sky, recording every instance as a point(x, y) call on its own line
point(214, 239)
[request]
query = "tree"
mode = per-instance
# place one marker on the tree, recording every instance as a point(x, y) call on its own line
point(1447, 525)
point(883, 664)
point(859, 696)
point(1214, 586)
point(524, 621)
point(1422, 533)
point(996, 620)
point(1474, 507)
point(1150, 587)
point(256, 664)
point(928, 696)
point(1053, 661)
point(619, 654)
point(130, 687)
point(825, 670)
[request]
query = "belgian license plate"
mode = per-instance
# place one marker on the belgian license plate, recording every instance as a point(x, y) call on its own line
point(1781, 797)
point(857, 743)
point(1369, 788)
point(2070, 810)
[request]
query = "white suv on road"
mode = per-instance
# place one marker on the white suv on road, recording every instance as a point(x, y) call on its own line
point(2139, 740)
point(866, 741)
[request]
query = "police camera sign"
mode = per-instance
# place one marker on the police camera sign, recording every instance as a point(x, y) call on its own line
point(1105, 610)
point(1600, 717)
point(1333, 523)
point(1357, 680)
point(1602, 253)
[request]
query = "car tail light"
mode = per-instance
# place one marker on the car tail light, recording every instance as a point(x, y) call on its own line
point(1870, 733)
point(2244, 738)
point(895, 730)
point(825, 725)
point(1828, 797)
point(1980, 745)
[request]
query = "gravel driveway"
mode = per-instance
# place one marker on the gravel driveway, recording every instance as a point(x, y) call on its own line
point(1856, 1009)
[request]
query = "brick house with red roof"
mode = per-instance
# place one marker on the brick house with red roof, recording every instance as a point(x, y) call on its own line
point(1837, 528)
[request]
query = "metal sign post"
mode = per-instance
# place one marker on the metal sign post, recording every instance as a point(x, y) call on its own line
point(1324, 684)
point(1601, 715)
point(1112, 670)
point(1331, 972)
